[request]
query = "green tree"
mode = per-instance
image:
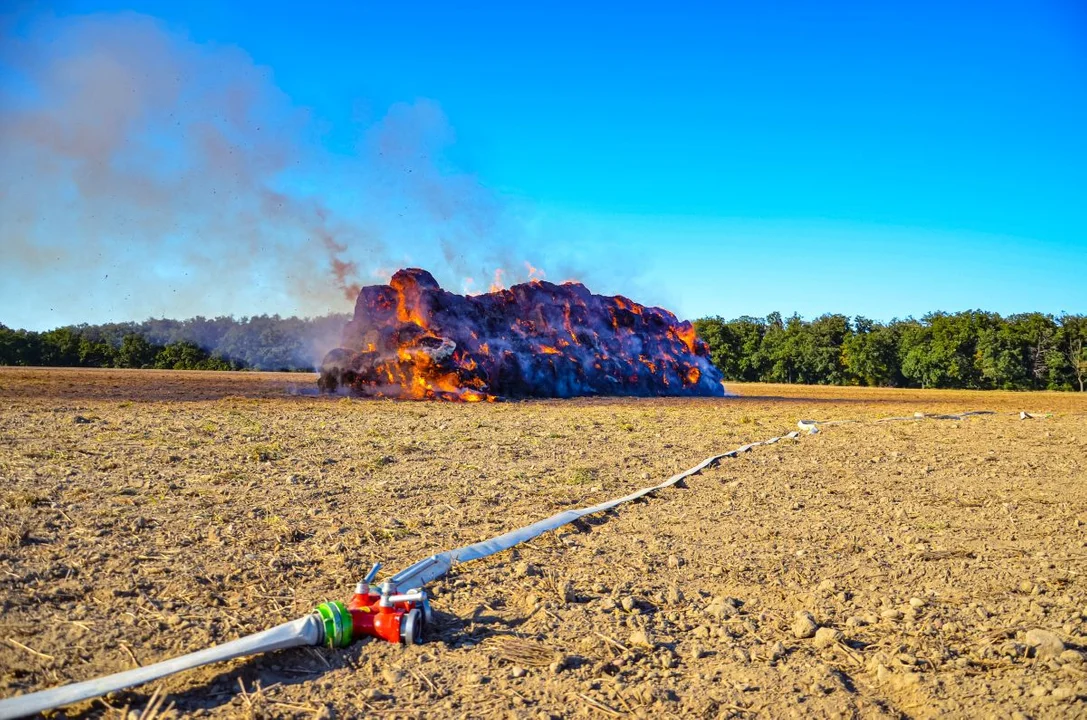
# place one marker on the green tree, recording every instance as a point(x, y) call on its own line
point(1013, 353)
point(942, 350)
point(778, 350)
point(135, 352)
point(1071, 347)
point(20, 347)
point(822, 360)
point(94, 353)
point(734, 345)
point(60, 347)
point(9, 346)
point(870, 354)
point(180, 356)
point(715, 332)
point(749, 332)
point(188, 356)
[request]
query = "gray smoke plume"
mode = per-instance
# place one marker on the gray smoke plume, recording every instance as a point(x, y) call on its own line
point(147, 174)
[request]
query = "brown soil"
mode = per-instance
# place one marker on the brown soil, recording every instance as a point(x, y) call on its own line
point(148, 514)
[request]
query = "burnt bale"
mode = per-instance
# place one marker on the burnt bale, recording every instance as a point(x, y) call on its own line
point(410, 339)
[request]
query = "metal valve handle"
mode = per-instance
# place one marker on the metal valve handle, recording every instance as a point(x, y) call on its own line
point(363, 586)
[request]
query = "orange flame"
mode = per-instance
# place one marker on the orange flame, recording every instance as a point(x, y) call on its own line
point(412, 340)
point(496, 284)
point(686, 333)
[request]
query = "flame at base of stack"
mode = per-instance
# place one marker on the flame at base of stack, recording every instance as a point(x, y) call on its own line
point(412, 340)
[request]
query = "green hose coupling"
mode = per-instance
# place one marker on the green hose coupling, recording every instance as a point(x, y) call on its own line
point(337, 621)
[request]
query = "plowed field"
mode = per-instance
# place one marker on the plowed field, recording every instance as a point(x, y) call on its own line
point(940, 564)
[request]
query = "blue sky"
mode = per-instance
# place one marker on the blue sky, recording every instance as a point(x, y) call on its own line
point(715, 158)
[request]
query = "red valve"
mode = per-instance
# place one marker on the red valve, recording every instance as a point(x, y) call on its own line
point(396, 618)
point(385, 614)
point(392, 624)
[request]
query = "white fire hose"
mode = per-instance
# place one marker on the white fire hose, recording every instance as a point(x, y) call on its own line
point(313, 629)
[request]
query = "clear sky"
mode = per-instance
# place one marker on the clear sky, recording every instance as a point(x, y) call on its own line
point(715, 158)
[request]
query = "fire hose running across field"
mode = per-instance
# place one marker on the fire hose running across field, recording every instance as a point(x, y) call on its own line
point(397, 610)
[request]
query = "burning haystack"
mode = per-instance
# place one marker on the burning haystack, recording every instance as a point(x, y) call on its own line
point(412, 340)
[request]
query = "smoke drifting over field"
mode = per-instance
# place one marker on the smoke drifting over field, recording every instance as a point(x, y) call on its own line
point(148, 174)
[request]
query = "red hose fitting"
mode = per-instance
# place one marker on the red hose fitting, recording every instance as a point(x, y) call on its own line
point(389, 617)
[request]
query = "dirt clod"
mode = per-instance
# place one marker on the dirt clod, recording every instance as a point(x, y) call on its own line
point(1046, 644)
point(825, 637)
point(804, 625)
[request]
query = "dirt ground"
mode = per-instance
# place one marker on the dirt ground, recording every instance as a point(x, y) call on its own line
point(146, 514)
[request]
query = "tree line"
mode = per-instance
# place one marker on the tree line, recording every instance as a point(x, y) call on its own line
point(965, 350)
point(263, 342)
point(970, 350)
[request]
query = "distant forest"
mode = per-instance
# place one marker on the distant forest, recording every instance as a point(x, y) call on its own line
point(967, 350)
point(971, 350)
point(263, 342)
